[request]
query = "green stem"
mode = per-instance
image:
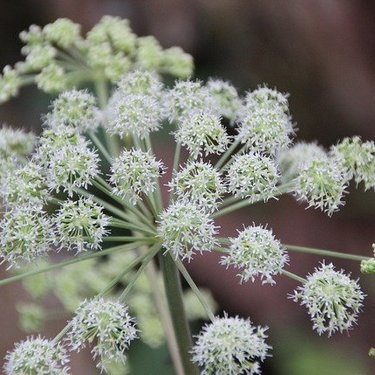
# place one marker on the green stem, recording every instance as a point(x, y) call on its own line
point(111, 208)
point(81, 258)
point(127, 239)
point(248, 202)
point(120, 276)
point(99, 145)
point(329, 253)
point(165, 316)
point(293, 276)
point(103, 186)
point(147, 258)
point(101, 89)
point(227, 154)
point(195, 289)
point(176, 161)
point(172, 284)
point(136, 226)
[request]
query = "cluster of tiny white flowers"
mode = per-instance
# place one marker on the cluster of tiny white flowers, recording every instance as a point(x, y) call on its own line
point(186, 98)
point(186, 229)
point(252, 176)
point(202, 134)
point(256, 252)
point(294, 159)
point(75, 109)
point(67, 159)
point(25, 185)
point(135, 107)
point(225, 97)
point(135, 173)
point(37, 356)
point(199, 183)
point(108, 323)
point(265, 124)
point(333, 299)
point(10, 83)
point(16, 142)
point(230, 346)
point(81, 225)
point(322, 183)
point(25, 235)
point(357, 159)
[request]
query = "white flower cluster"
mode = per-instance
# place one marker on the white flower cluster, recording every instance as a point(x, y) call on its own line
point(135, 108)
point(199, 183)
point(265, 124)
point(256, 252)
point(37, 356)
point(74, 109)
point(333, 299)
point(186, 229)
point(322, 183)
point(230, 346)
point(252, 176)
point(67, 160)
point(108, 323)
point(357, 159)
point(80, 225)
point(135, 173)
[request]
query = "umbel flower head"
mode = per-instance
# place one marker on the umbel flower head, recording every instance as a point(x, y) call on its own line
point(358, 160)
point(108, 323)
point(187, 98)
point(252, 176)
point(199, 183)
point(76, 109)
point(185, 229)
point(26, 185)
point(225, 97)
point(322, 183)
point(294, 159)
point(80, 225)
point(67, 160)
point(265, 124)
point(26, 233)
point(333, 299)
point(15, 142)
point(202, 134)
point(135, 173)
point(37, 356)
point(256, 252)
point(135, 107)
point(230, 346)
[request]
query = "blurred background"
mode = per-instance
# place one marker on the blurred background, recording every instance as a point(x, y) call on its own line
point(323, 53)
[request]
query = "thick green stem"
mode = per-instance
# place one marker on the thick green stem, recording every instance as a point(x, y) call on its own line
point(173, 291)
point(328, 253)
